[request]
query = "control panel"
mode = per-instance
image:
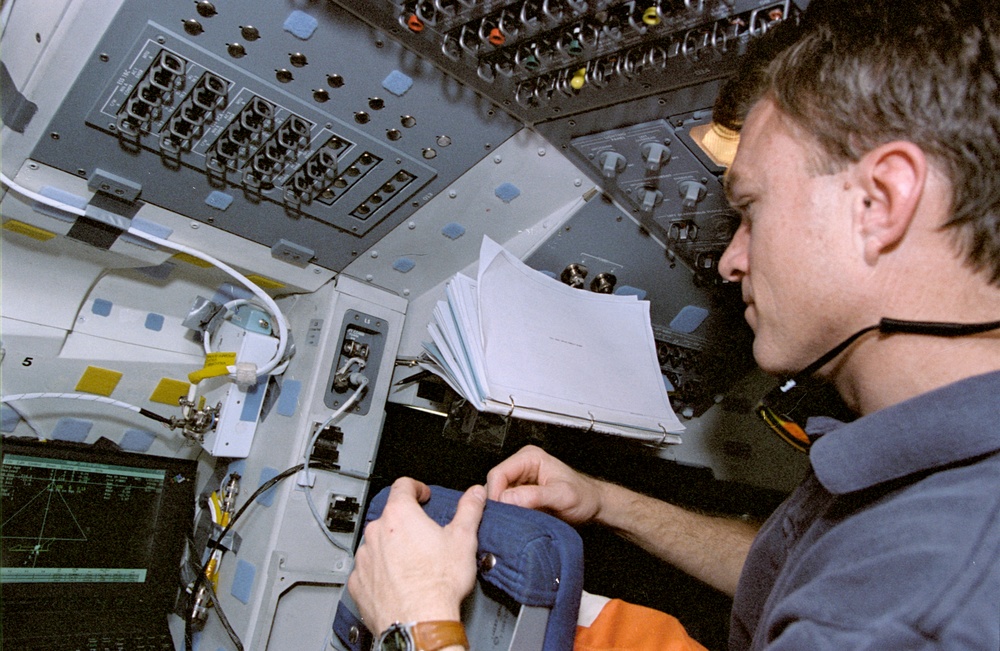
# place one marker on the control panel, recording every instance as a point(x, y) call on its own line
point(543, 59)
point(273, 128)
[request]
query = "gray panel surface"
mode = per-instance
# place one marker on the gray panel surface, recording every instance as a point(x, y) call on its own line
point(352, 135)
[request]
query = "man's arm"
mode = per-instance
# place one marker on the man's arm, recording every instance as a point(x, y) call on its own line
point(712, 549)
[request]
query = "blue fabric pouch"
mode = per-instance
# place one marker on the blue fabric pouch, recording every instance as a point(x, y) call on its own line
point(539, 562)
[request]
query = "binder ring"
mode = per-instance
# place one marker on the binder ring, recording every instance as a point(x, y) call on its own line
point(512, 405)
point(591, 428)
point(664, 437)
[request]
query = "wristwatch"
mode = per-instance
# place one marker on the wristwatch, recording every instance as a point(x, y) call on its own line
point(422, 636)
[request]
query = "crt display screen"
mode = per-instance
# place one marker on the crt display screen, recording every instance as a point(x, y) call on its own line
point(71, 521)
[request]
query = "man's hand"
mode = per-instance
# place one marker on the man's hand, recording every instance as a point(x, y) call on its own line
point(409, 568)
point(712, 549)
point(536, 480)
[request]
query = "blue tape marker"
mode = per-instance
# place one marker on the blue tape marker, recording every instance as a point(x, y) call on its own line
point(146, 226)
point(72, 429)
point(61, 196)
point(301, 24)
point(157, 230)
point(626, 290)
point(288, 399)
point(243, 578)
point(219, 200)
point(453, 231)
point(137, 440)
point(688, 319)
point(154, 322)
point(403, 265)
point(101, 307)
point(397, 83)
point(507, 192)
point(8, 419)
point(267, 497)
point(254, 399)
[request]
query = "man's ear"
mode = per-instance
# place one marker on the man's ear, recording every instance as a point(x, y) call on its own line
point(893, 177)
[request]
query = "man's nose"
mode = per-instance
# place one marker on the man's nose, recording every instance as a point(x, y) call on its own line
point(734, 263)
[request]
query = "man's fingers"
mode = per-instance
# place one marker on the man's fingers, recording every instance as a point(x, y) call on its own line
point(469, 512)
point(406, 489)
point(521, 468)
point(529, 497)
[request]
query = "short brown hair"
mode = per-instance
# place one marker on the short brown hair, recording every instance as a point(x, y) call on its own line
point(925, 71)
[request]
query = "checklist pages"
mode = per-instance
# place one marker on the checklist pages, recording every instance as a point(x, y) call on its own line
point(517, 342)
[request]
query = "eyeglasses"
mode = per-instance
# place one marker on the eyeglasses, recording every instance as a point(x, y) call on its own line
point(792, 402)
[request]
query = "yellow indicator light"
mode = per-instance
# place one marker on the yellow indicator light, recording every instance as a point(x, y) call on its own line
point(717, 141)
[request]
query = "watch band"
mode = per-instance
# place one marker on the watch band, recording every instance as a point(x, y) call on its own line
point(431, 636)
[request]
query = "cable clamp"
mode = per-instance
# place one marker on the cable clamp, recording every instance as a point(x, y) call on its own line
point(245, 374)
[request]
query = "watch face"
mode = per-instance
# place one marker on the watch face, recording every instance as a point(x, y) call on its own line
point(395, 639)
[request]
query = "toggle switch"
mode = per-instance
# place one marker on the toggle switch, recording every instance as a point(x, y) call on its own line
point(612, 164)
point(574, 275)
point(604, 283)
point(651, 198)
point(692, 192)
point(655, 154)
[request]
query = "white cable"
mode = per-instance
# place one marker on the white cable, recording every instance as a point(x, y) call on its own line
point(85, 397)
point(351, 362)
point(268, 302)
point(227, 309)
point(307, 486)
point(48, 201)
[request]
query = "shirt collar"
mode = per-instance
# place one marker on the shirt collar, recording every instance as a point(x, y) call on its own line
point(951, 424)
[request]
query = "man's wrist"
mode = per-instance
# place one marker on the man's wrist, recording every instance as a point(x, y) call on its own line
point(438, 635)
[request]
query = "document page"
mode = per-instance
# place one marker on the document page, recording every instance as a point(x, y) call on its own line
point(550, 347)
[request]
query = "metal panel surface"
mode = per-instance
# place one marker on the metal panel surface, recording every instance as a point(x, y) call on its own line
point(306, 130)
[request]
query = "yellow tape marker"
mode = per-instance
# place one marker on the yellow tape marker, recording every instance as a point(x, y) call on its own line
point(190, 259)
point(100, 381)
point(169, 392)
point(34, 232)
point(264, 282)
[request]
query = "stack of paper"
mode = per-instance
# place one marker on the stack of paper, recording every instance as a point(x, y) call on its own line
point(519, 343)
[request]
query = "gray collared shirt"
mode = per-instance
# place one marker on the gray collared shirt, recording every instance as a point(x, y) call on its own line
point(893, 540)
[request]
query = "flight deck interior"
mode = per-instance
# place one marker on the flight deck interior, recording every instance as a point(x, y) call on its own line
point(227, 227)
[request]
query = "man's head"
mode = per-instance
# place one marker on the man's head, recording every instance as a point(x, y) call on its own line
point(872, 156)
point(925, 71)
